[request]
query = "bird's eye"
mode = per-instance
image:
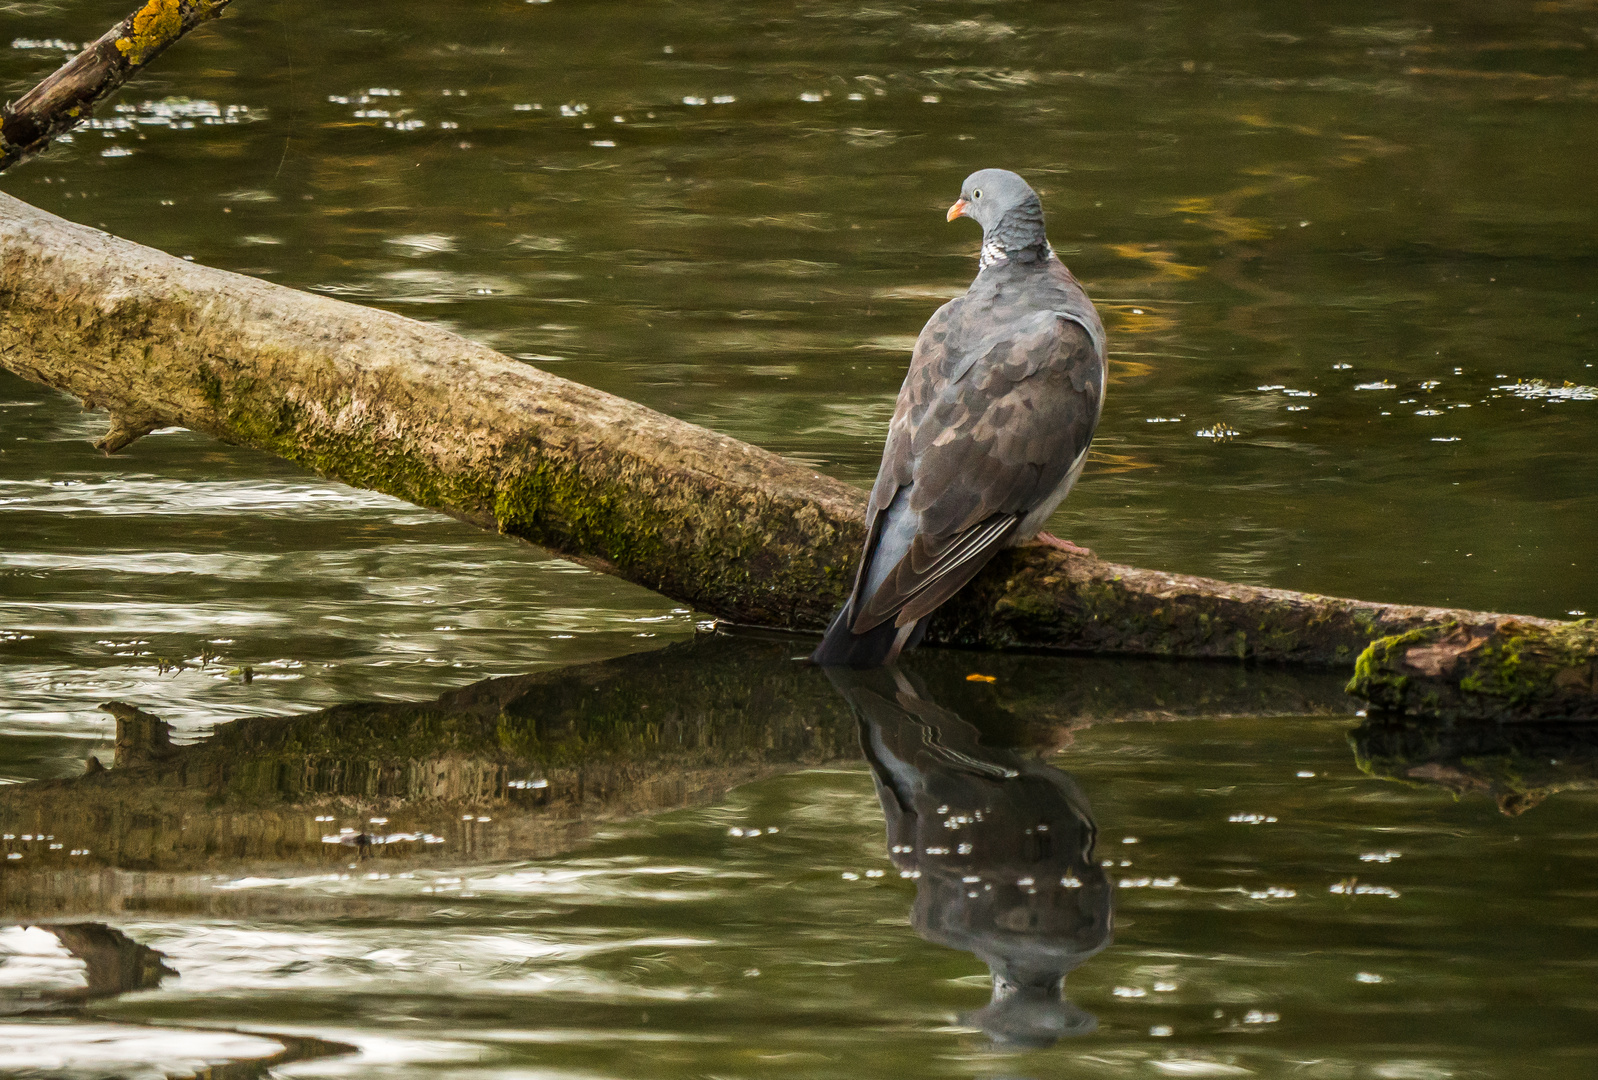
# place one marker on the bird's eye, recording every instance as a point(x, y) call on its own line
point(977, 194)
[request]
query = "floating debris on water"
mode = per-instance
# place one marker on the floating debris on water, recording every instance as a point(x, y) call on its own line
point(1533, 389)
point(45, 43)
point(1351, 887)
point(1219, 433)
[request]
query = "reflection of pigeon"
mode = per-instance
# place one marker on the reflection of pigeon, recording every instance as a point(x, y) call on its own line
point(1001, 849)
point(991, 429)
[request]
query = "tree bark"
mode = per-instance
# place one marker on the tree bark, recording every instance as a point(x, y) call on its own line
point(386, 403)
point(1460, 671)
point(66, 98)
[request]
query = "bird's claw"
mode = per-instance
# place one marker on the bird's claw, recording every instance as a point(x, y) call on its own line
point(1050, 540)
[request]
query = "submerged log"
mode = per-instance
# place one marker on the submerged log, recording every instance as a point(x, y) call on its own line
point(386, 403)
point(65, 99)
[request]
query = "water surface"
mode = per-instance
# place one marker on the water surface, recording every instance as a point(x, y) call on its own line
point(676, 864)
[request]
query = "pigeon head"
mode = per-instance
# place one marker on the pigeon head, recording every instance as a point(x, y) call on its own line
point(1004, 205)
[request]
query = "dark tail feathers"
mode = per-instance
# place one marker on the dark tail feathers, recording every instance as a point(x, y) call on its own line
point(841, 647)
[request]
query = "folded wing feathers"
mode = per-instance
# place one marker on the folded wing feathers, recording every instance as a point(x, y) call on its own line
point(912, 591)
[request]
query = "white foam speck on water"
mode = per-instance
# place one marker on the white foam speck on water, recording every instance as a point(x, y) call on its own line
point(1537, 389)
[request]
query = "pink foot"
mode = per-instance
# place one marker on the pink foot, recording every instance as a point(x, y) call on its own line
point(1050, 540)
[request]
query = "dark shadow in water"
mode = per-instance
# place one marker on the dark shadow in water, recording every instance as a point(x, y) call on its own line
point(1000, 845)
point(523, 767)
point(1516, 765)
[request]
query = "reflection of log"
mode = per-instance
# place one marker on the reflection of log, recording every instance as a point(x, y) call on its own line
point(113, 963)
point(1516, 765)
point(386, 403)
point(1507, 670)
point(69, 95)
point(545, 758)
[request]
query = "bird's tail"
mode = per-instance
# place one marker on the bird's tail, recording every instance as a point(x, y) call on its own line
point(882, 644)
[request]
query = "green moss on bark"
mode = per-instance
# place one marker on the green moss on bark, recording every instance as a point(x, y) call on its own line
point(1511, 670)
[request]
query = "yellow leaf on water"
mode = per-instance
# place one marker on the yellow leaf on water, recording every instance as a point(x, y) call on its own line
point(981, 678)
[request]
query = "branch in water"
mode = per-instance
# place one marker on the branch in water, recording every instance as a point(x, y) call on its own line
point(67, 97)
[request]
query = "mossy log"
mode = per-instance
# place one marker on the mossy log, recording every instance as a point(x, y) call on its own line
point(383, 402)
point(1462, 671)
point(69, 95)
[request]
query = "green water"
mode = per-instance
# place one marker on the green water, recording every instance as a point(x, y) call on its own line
point(1274, 205)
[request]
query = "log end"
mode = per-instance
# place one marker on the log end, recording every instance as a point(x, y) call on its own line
point(1508, 670)
point(124, 432)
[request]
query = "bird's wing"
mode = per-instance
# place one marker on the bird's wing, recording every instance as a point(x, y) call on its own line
point(977, 454)
point(927, 363)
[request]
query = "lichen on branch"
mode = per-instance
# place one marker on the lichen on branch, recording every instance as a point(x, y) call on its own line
point(69, 95)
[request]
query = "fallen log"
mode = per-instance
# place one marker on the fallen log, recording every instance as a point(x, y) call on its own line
point(69, 95)
point(1459, 671)
point(386, 403)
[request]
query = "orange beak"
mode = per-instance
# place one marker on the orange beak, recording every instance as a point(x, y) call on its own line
point(957, 210)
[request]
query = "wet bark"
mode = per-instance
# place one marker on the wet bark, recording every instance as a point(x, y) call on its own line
point(67, 97)
point(1464, 671)
point(382, 402)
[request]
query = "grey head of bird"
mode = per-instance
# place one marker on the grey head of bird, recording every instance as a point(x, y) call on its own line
point(1009, 211)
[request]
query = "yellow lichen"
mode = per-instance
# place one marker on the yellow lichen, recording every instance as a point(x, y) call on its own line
point(155, 26)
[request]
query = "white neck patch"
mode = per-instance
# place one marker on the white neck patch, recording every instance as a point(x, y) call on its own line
point(992, 254)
